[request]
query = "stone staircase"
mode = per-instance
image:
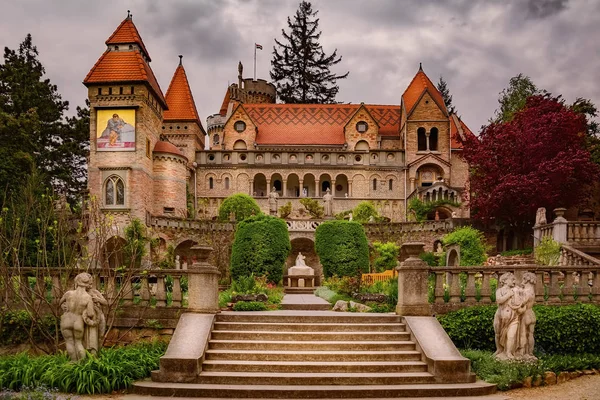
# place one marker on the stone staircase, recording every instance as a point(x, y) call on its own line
point(312, 355)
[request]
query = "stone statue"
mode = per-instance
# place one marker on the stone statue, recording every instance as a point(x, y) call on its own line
point(346, 195)
point(350, 217)
point(78, 306)
point(304, 192)
point(328, 198)
point(300, 260)
point(273, 196)
point(508, 317)
point(439, 248)
point(184, 265)
point(540, 217)
point(95, 325)
point(177, 262)
point(528, 320)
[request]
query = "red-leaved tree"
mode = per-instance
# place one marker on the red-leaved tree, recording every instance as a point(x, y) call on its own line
point(538, 159)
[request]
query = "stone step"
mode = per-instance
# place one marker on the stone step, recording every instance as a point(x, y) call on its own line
point(308, 327)
point(314, 367)
point(291, 317)
point(330, 345)
point(296, 355)
point(301, 306)
point(309, 336)
point(313, 392)
point(304, 378)
point(299, 290)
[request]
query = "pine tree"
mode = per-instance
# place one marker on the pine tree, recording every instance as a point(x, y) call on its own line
point(48, 141)
point(300, 68)
point(442, 86)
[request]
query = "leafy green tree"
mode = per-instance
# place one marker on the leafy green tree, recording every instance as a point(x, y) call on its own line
point(313, 207)
point(386, 255)
point(590, 111)
point(442, 86)
point(241, 205)
point(514, 97)
point(300, 68)
point(364, 212)
point(342, 248)
point(471, 242)
point(261, 246)
point(55, 144)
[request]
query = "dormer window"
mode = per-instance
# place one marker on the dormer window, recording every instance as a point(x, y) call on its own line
point(116, 47)
point(239, 126)
point(362, 127)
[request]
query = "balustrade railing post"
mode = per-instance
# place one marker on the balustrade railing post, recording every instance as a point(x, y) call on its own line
point(413, 283)
point(539, 287)
point(145, 291)
point(176, 295)
point(203, 283)
point(454, 287)
point(569, 290)
point(127, 291)
point(559, 233)
point(554, 289)
point(470, 291)
point(486, 290)
point(161, 292)
point(596, 286)
point(440, 290)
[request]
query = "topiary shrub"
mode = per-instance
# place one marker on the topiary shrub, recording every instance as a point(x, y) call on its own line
point(260, 247)
point(471, 242)
point(249, 306)
point(342, 248)
point(241, 205)
point(364, 211)
point(559, 329)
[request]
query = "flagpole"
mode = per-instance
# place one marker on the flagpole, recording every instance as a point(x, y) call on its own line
point(254, 61)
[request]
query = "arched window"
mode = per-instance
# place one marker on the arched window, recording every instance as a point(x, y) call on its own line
point(114, 191)
point(375, 184)
point(216, 139)
point(226, 183)
point(433, 139)
point(421, 139)
point(239, 145)
point(211, 183)
point(391, 184)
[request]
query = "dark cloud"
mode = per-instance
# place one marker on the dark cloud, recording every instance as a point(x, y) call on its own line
point(545, 8)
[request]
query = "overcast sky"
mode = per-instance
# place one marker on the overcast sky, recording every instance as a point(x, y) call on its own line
point(476, 45)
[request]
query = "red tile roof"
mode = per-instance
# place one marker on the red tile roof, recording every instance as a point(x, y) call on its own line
point(314, 124)
point(458, 132)
point(180, 100)
point(418, 85)
point(124, 66)
point(167, 147)
point(127, 33)
point(223, 110)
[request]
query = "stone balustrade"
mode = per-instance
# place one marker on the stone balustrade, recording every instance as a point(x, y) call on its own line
point(572, 256)
point(583, 233)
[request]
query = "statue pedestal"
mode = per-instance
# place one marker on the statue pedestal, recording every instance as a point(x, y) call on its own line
point(300, 270)
point(203, 281)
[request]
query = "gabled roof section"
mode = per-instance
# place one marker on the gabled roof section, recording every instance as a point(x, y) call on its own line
point(124, 67)
point(180, 99)
point(225, 104)
point(415, 90)
point(127, 33)
point(427, 156)
point(315, 124)
point(458, 132)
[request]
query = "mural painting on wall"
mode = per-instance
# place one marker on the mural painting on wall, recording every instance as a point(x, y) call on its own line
point(115, 129)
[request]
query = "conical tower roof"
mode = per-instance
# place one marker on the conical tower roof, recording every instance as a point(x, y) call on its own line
point(415, 89)
point(180, 99)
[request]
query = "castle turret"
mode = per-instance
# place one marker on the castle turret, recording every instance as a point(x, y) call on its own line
point(170, 174)
point(126, 108)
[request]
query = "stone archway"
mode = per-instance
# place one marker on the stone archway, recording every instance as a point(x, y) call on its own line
point(307, 247)
point(183, 250)
point(112, 253)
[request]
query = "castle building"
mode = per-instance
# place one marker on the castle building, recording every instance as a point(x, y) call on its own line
point(148, 157)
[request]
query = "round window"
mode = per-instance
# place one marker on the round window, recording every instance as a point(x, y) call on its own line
point(358, 158)
point(240, 126)
point(243, 157)
point(211, 157)
point(362, 126)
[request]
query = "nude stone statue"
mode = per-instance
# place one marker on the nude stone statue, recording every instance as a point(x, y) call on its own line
point(507, 317)
point(78, 305)
point(540, 217)
point(95, 325)
point(528, 320)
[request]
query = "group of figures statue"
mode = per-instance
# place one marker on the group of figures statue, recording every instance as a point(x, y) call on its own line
point(82, 323)
point(327, 198)
point(514, 321)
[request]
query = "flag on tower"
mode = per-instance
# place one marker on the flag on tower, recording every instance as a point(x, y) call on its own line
point(258, 46)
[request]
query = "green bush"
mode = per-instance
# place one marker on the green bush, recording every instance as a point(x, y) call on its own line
point(422, 209)
point(347, 285)
point(113, 369)
point(430, 258)
point(386, 255)
point(241, 205)
point(517, 252)
point(16, 326)
point(364, 211)
point(325, 293)
point(260, 247)
point(342, 248)
point(547, 251)
point(285, 210)
point(249, 306)
point(559, 329)
point(313, 207)
point(471, 242)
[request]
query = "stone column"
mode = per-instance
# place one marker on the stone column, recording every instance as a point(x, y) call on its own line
point(559, 232)
point(349, 188)
point(284, 188)
point(412, 282)
point(203, 283)
point(301, 184)
point(412, 184)
point(317, 191)
point(251, 187)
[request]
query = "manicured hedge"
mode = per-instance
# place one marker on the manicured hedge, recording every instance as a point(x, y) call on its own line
point(471, 242)
point(342, 248)
point(241, 205)
point(260, 247)
point(559, 329)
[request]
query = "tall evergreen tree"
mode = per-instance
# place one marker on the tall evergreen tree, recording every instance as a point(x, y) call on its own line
point(442, 86)
point(300, 68)
point(30, 103)
point(513, 98)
